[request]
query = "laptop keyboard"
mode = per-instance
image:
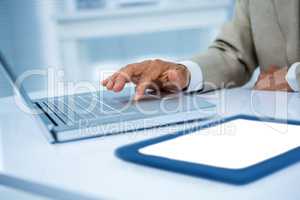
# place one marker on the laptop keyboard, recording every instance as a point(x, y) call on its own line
point(74, 109)
point(70, 110)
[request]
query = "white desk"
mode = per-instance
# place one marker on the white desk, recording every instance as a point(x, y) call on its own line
point(10, 193)
point(90, 167)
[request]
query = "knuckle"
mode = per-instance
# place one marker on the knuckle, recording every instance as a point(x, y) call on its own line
point(128, 67)
point(157, 61)
point(111, 77)
point(123, 69)
point(121, 73)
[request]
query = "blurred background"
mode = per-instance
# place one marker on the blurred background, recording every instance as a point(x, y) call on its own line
point(85, 37)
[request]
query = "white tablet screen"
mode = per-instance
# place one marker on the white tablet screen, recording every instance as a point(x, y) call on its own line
point(233, 145)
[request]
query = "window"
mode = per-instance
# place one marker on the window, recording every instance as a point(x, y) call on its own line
point(125, 31)
point(85, 36)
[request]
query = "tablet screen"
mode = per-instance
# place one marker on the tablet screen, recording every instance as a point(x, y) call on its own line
point(233, 145)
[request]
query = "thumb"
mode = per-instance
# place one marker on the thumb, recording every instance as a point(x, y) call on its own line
point(141, 87)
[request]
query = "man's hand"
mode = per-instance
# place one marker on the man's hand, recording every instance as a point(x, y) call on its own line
point(150, 74)
point(273, 80)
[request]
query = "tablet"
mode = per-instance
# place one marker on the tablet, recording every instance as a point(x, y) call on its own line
point(238, 150)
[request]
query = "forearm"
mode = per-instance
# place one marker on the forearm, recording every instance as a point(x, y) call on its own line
point(220, 69)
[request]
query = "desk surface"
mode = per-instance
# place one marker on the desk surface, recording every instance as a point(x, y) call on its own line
point(90, 167)
point(10, 193)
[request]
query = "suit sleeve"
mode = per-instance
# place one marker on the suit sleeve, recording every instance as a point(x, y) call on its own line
point(231, 59)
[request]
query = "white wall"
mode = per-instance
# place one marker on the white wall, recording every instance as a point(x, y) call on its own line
point(28, 38)
point(5, 44)
point(33, 41)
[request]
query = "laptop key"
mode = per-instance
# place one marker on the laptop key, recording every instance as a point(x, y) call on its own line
point(62, 116)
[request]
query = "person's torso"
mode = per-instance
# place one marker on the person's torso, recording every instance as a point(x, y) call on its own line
point(275, 29)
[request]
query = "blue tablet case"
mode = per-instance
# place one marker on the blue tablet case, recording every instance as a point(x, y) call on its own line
point(131, 153)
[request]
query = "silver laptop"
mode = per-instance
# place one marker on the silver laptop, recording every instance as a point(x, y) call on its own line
point(81, 116)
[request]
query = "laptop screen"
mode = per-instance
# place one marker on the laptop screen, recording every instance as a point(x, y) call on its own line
point(7, 69)
point(12, 78)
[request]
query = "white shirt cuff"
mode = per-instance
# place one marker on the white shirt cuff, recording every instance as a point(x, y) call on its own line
point(291, 77)
point(196, 81)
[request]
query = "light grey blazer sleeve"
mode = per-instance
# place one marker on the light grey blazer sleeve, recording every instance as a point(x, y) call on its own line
point(231, 59)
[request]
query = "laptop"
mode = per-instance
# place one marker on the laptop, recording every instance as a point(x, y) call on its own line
point(94, 114)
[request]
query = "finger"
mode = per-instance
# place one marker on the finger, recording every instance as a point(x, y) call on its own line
point(121, 77)
point(148, 79)
point(141, 88)
point(111, 81)
point(258, 87)
point(104, 82)
point(263, 74)
point(263, 84)
point(130, 73)
point(125, 75)
point(272, 69)
point(119, 83)
point(281, 73)
point(110, 85)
